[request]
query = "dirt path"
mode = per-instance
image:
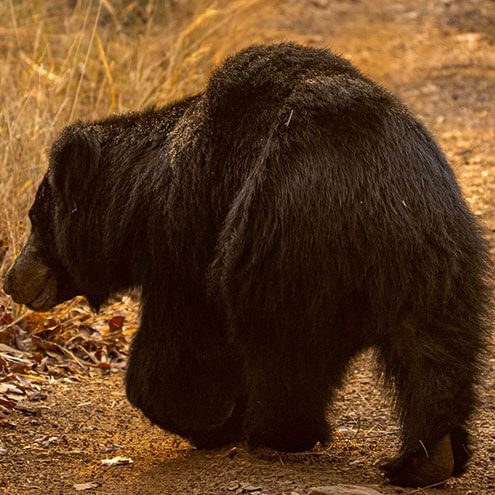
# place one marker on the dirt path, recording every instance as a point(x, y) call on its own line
point(439, 57)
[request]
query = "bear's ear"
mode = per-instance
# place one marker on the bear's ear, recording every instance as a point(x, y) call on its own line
point(74, 159)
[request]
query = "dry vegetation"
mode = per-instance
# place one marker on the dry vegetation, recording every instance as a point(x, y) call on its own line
point(84, 59)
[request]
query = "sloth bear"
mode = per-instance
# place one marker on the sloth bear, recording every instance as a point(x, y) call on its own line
point(280, 222)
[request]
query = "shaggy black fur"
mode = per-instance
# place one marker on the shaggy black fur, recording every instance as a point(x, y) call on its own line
point(292, 215)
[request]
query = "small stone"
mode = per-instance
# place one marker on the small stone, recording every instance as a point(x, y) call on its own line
point(469, 37)
point(232, 452)
point(321, 4)
point(247, 487)
point(3, 451)
point(343, 490)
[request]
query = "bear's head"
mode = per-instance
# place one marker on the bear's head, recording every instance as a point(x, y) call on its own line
point(42, 275)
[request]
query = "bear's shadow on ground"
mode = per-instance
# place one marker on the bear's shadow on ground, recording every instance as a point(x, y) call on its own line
point(237, 469)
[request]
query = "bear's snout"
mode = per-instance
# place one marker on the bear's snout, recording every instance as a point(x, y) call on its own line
point(30, 281)
point(7, 283)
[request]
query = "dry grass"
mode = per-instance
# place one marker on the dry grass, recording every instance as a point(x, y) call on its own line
point(66, 60)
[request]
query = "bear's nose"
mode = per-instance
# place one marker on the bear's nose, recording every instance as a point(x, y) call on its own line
point(7, 283)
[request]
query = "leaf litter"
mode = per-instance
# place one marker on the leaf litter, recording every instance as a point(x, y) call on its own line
point(71, 344)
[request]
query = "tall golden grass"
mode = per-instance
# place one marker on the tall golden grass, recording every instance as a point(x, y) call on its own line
point(64, 60)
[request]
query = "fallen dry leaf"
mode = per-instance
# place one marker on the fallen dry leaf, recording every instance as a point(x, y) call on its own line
point(117, 461)
point(116, 323)
point(86, 486)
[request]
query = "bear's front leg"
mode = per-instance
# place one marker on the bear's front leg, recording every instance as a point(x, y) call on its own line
point(185, 377)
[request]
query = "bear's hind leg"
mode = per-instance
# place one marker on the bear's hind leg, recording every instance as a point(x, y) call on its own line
point(290, 376)
point(433, 368)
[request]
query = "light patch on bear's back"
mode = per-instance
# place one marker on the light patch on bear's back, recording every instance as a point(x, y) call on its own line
point(338, 92)
point(186, 133)
point(318, 80)
point(343, 85)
